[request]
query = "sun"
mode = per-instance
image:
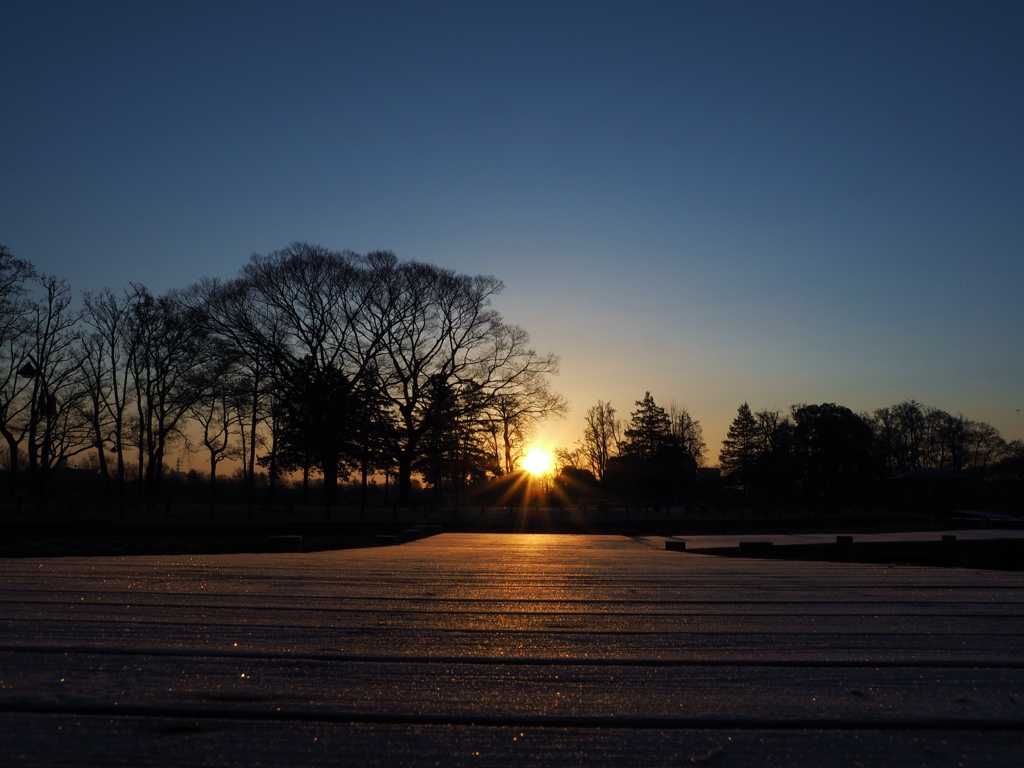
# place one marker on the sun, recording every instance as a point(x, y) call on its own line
point(537, 462)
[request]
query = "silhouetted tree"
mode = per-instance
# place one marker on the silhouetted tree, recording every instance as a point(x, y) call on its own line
point(104, 362)
point(985, 447)
point(375, 433)
point(168, 346)
point(649, 433)
point(317, 411)
point(15, 386)
point(453, 447)
point(832, 454)
point(515, 413)
point(654, 463)
point(901, 434)
point(218, 387)
point(687, 434)
point(322, 318)
point(739, 453)
point(441, 332)
point(911, 436)
point(771, 470)
point(252, 329)
point(1008, 471)
point(601, 437)
point(54, 431)
point(571, 458)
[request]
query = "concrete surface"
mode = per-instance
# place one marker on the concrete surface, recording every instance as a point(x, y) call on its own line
point(498, 649)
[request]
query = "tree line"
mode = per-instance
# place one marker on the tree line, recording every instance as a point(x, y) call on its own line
point(337, 365)
point(310, 361)
point(823, 456)
point(827, 455)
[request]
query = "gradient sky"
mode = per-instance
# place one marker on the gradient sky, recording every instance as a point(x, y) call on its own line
point(718, 202)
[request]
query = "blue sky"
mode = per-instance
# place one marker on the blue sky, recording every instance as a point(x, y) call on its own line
point(717, 202)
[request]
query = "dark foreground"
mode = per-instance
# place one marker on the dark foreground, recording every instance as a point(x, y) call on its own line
point(507, 649)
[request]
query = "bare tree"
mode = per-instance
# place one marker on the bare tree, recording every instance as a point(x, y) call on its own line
point(985, 446)
point(570, 458)
point(319, 317)
point(687, 433)
point(516, 413)
point(168, 346)
point(911, 436)
point(251, 328)
point(217, 387)
point(15, 386)
point(902, 433)
point(104, 362)
point(53, 366)
point(441, 333)
point(601, 437)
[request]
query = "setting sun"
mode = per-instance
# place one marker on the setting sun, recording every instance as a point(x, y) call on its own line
point(537, 462)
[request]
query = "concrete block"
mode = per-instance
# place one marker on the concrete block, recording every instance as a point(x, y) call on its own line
point(755, 548)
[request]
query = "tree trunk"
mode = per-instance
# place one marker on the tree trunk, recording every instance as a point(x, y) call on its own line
point(213, 481)
point(405, 478)
point(508, 447)
point(33, 459)
point(362, 489)
point(120, 475)
point(12, 463)
point(250, 479)
point(330, 474)
point(101, 457)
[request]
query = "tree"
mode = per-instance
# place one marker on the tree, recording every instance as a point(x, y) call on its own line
point(911, 436)
point(514, 415)
point(52, 363)
point(320, 317)
point(656, 462)
point(901, 433)
point(105, 350)
point(217, 387)
point(236, 317)
point(317, 411)
point(771, 470)
point(832, 452)
point(374, 433)
point(454, 452)
point(442, 335)
point(649, 434)
point(601, 437)
point(169, 346)
point(687, 434)
point(985, 447)
point(740, 449)
point(570, 458)
point(15, 386)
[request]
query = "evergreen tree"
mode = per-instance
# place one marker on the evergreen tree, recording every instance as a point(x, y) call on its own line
point(455, 452)
point(374, 433)
point(649, 433)
point(740, 449)
point(316, 423)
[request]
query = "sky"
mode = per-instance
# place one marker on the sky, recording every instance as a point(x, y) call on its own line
point(716, 202)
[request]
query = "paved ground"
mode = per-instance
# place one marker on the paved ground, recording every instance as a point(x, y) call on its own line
point(507, 649)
